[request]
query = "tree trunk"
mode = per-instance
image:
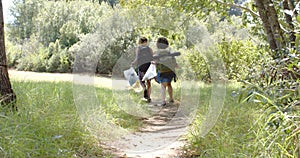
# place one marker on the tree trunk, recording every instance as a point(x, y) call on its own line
point(275, 26)
point(7, 96)
point(266, 24)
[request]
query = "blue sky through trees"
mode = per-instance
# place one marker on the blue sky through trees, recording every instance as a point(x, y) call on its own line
point(6, 5)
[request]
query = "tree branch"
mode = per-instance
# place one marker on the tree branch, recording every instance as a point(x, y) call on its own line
point(238, 6)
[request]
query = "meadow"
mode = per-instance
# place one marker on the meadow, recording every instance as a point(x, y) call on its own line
point(49, 123)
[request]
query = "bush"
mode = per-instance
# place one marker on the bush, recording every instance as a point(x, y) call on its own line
point(59, 59)
point(33, 56)
point(67, 20)
point(275, 90)
point(58, 26)
point(238, 56)
point(13, 54)
point(196, 66)
point(113, 52)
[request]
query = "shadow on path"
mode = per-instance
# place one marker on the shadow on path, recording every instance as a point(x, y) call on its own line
point(159, 137)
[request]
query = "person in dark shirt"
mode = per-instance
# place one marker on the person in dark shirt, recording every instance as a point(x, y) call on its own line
point(144, 57)
point(166, 69)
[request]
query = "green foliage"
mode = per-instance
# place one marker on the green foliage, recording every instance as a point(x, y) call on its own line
point(13, 53)
point(106, 57)
point(230, 136)
point(48, 124)
point(197, 66)
point(33, 56)
point(193, 8)
point(57, 27)
point(24, 13)
point(59, 59)
point(63, 22)
point(69, 34)
point(265, 125)
point(66, 21)
point(232, 45)
point(239, 57)
point(122, 46)
point(54, 20)
point(275, 90)
point(287, 27)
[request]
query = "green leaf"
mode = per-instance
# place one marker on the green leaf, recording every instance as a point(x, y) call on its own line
point(297, 39)
point(298, 18)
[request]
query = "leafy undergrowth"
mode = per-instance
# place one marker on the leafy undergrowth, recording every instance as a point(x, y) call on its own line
point(245, 129)
point(48, 123)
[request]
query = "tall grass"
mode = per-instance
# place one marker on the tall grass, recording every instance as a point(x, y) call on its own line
point(48, 124)
point(245, 129)
point(231, 136)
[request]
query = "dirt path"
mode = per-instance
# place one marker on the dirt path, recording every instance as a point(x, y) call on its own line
point(159, 137)
point(58, 77)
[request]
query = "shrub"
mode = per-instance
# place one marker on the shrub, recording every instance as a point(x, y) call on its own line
point(13, 53)
point(33, 56)
point(59, 59)
point(238, 56)
point(276, 91)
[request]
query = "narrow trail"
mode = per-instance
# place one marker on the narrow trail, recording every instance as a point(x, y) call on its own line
point(105, 82)
point(159, 137)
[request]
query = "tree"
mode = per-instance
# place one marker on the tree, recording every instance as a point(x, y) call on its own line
point(278, 18)
point(271, 24)
point(7, 95)
point(24, 13)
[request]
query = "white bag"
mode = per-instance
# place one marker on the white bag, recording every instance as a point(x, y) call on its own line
point(131, 76)
point(151, 73)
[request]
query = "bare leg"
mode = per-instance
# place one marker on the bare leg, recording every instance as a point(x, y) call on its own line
point(149, 88)
point(170, 91)
point(142, 83)
point(163, 92)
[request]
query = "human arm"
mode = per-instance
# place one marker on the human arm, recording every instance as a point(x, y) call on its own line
point(176, 64)
point(135, 60)
point(152, 53)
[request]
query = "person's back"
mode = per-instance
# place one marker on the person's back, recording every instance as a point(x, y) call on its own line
point(166, 63)
point(166, 69)
point(144, 58)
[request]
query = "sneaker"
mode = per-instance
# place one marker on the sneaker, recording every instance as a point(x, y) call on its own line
point(171, 100)
point(149, 100)
point(145, 94)
point(163, 104)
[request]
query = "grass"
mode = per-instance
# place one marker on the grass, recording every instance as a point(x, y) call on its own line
point(62, 120)
point(49, 124)
point(231, 136)
point(243, 130)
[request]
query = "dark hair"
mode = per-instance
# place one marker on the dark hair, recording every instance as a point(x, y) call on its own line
point(162, 43)
point(143, 40)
